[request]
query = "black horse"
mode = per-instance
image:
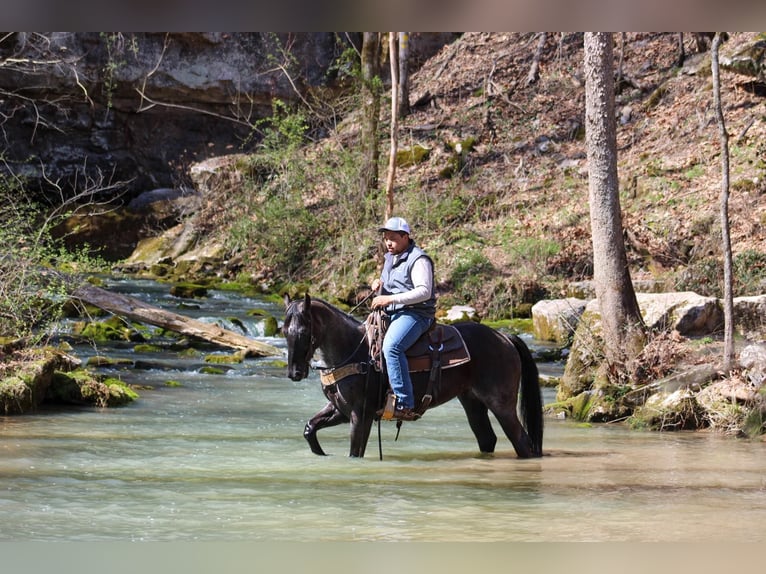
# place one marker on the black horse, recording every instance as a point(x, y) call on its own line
point(500, 371)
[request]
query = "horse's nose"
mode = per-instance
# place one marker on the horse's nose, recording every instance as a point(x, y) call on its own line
point(295, 374)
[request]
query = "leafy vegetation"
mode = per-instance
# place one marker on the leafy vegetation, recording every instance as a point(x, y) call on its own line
point(36, 272)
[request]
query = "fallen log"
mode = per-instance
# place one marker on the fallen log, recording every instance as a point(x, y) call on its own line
point(137, 310)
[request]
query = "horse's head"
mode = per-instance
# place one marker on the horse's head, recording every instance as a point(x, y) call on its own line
point(298, 334)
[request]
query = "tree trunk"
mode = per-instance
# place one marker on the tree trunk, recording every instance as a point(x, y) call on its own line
point(368, 171)
point(137, 310)
point(728, 280)
point(404, 74)
point(534, 69)
point(394, 127)
point(622, 324)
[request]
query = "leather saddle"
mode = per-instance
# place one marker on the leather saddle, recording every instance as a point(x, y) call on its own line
point(441, 340)
point(441, 343)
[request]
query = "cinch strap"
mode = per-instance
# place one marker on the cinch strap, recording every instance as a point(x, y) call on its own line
point(332, 376)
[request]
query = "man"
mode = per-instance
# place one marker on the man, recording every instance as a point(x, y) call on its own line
point(407, 295)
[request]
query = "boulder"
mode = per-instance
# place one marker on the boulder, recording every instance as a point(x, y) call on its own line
point(749, 316)
point(678, 410)
point(690, 314)
point(556, 320)
point(753, 360)
point(460, 313)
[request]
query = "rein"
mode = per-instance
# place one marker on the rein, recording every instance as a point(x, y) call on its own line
point(345, 363)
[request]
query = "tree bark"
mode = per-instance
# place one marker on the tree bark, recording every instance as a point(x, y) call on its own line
point(728, 280)
point(404, 74)
point(621, 320)
point(534, 69)
point(394, 126)
point(137, 310)
point(368, 171)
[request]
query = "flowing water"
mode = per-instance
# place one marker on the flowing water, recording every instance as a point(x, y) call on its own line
point(222, 458)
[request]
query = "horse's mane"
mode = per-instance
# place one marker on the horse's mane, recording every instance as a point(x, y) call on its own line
point(338, 312)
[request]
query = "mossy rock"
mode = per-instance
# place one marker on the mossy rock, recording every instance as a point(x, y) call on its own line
point(15, 395)
point(189, 352)
point(147, 348)
point(102, 361)
point(679, 410)
point(74, 308)
point(27, 386)
point(224, 359)
point(82, 387)
point(119, 393)
point(237, 322)
point(189, 290)
point(111, 329)
point(210, 370)
point(270, 327)
point(412, 156)
point(160, 269)
point(257, 313)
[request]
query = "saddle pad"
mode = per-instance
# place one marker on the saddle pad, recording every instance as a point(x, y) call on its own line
point(445, 339)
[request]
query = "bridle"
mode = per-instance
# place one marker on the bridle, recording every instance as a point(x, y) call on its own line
point(311, 348)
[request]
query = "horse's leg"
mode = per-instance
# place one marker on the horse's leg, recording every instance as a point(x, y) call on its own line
point(478, 419)
point(361, 425)
point(504, 407)
point(502, 400)
point(327, 417)
point(514, 430)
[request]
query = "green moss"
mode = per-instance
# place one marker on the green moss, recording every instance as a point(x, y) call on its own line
point(581, 406)
point(270, 327)
point(112, 329)
point(160, 270)
point(188, 353)
point(208, 370)
point(412, 156)
point(146, 348)
point(224, 359)
point(84, 387)
point(15, 395)
point(173, 384)
point(119, 393)
point(513, 325)
point(101, 361)
point(188, 290)
point(754, 423)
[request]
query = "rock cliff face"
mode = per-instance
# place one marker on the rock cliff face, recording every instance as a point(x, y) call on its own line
point(139, 108)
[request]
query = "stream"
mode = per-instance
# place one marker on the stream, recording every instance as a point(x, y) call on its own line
point(221, 457)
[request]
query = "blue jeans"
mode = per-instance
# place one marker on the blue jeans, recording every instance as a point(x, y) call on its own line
point(403, 331)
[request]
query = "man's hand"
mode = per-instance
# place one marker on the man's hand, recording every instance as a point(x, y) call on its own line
point(382, 301)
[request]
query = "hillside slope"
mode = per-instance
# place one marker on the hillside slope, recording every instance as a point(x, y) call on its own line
point(525, 177)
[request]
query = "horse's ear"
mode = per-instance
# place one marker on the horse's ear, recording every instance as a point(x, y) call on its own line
point(287, 299)
point(307, 303)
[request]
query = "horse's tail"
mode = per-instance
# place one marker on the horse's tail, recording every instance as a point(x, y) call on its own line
point(531, 399)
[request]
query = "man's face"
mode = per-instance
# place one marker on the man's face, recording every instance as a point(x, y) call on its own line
point(395, 241)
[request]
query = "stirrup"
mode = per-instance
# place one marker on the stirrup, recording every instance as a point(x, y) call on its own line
point(387, 412)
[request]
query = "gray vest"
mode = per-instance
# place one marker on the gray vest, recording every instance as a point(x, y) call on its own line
point(397, 278)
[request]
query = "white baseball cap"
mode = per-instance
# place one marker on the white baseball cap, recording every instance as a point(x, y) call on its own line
point(396, 224)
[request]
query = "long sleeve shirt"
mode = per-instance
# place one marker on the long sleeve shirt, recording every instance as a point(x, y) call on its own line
point(422, 278)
